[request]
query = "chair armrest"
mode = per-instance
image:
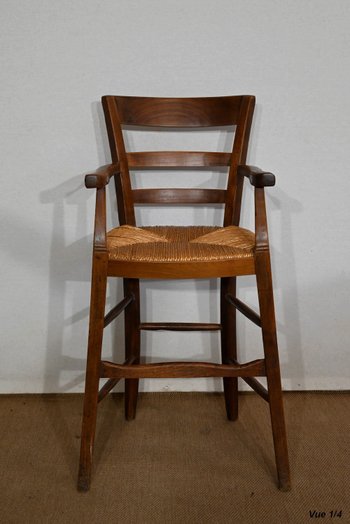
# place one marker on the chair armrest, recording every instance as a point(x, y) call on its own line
point(101, 176)
point(257, 177)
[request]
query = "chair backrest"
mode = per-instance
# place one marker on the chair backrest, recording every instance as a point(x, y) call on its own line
point(178, 113)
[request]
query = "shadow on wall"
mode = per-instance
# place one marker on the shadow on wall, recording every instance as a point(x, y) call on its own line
point(69, 293)
point(69, 277)
point(68, 263)
point(282, 208)
point(280, 211)
point(69, 285)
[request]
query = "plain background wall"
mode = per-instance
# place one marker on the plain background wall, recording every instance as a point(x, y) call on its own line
point(58, 58)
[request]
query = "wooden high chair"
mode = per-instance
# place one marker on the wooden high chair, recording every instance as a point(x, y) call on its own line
point(176, 252)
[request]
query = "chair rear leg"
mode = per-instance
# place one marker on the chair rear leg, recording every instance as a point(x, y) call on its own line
point(229, 344)
point(96, 325)
point(268, 324)
point(132, 343)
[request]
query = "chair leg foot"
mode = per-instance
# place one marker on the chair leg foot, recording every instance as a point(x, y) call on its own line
point(231, 398)
point(284, 485)
point(279, 432)
point(84, 479)
point(131, 394)
point(86, 450)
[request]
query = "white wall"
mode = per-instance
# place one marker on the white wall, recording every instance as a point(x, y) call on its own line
point(58, 58)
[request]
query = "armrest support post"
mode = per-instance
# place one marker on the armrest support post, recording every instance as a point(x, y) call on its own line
point(261, 233)
point(100, 234)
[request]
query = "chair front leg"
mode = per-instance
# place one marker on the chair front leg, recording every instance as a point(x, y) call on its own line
point(268, 325)
point(96, 325)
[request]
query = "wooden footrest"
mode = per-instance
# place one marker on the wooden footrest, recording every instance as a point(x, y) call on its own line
point(255, 368)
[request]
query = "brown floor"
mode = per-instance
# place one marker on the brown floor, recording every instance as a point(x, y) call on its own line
point(180, 461)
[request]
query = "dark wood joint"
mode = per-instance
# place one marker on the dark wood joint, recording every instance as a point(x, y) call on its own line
point(101, 177)
point(257, 177)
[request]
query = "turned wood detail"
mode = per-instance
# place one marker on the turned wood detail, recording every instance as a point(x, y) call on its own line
point(182, 370)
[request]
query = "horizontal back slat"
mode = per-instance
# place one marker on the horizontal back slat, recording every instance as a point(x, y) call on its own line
point(178, 112)
point(161, 159)
point(178, 196)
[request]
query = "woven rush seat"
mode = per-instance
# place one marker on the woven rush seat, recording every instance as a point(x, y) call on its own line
point(179, 244)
